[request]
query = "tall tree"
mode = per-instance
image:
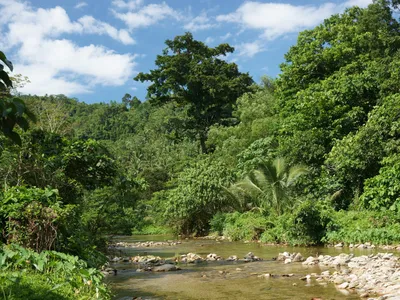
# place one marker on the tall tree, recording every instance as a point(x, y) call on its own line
point(191, 73)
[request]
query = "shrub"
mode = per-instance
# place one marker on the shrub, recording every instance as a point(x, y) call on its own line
point(31, 216)
point(244, 226)
point(48, 275)
point(198, 196)
point(363, 226)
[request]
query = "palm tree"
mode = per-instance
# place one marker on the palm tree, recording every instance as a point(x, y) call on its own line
point(268, 185)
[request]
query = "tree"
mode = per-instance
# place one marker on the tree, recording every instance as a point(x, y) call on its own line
point(12, 110)
point(269, 184)
point(359, 156)
point(198, 195)
point(333, 77)
point(191, 73)
point(126, 100)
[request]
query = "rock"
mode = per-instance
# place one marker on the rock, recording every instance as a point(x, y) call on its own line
point(288, 261)
point(232, 258)
point(191, 258)
point(325, 273)
point(147, 259)
point(340, 245)
point(298, 257)
point(311, 261)
point(281, 257)
point(213, 257)
point(249, 257)
point(338, 280)
point(343, 286)
point(165, 268)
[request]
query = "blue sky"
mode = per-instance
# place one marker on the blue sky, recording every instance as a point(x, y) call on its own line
point(92, 49)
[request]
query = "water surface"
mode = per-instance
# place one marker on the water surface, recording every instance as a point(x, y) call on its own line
point(223, 280)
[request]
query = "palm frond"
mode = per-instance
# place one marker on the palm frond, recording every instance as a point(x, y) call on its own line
point(280, 166)
point(294, 173)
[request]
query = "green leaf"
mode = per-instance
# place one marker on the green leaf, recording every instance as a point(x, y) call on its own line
point(6, 79)
point(23, 123)
point(14, 137)
point(6, 61)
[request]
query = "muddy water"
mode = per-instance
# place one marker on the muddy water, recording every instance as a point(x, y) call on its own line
point(222, 280)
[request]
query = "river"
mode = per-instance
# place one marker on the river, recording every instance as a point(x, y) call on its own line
point(222, 279)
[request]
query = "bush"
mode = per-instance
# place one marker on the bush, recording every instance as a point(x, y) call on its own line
point(198, 196)
point(31, 216)
point(26, 274)
point(383, 190)
point(217, 223)
point(304, 226)
point(243, 226)
point(309, 223)
point(363, 226)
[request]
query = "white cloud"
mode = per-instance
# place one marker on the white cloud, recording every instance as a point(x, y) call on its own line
point(226, 36)
point(80, 5)
point(249, 49)
point(209, 40)
point(93, 26)
point(201, 22)
point(130, 5)
point(147, 15)
point(276, 19)
point(55, 64)
point(360, 3)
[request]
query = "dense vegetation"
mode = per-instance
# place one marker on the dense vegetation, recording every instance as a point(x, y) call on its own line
point(310, 157)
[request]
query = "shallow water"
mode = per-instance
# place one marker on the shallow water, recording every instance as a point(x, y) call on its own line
point(222, 280)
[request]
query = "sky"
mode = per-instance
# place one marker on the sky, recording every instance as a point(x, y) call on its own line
point(92, 49)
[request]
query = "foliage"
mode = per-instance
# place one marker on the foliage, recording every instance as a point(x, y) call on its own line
point(31, 216)
point(357, 156)
point(244, 226)
point(269, 184)
point(198, 195)
point(254, 113)
point(48, 275)
point(333, 77)
point(309, 223)
point(191, 73)
point(363, 226)
point(383, 190)
point(12, 110)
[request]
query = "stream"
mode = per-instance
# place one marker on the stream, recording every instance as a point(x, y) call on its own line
point(222, 279)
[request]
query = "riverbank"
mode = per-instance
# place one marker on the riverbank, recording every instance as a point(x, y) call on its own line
point(376, 276)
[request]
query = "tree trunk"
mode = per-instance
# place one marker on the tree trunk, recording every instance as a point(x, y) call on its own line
point(203, 143)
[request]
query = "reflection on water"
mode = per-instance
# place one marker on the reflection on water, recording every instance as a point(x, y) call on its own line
point(222, 280)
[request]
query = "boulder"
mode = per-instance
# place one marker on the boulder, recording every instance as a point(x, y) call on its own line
point(213, 256)
point(232, 258)
point(298, 257)
point(191, 258)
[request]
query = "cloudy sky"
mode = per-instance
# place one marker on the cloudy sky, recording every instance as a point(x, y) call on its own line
point(92, 49)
